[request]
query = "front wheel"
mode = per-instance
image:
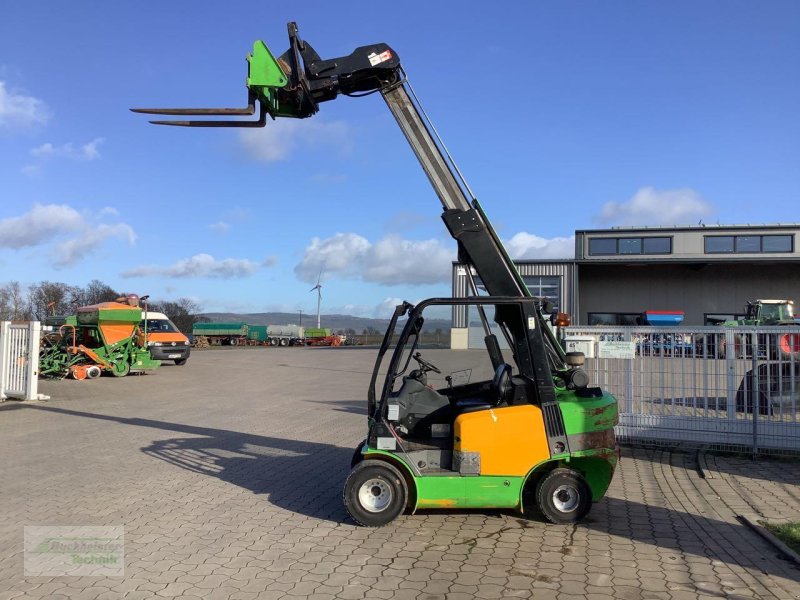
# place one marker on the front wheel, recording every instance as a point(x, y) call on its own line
point(180, 361)
point(375, 493)
point(564, 496)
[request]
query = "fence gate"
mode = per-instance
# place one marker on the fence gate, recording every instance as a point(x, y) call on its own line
point(19, 360)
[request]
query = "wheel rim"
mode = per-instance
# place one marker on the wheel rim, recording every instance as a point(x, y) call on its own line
point(565, 498)
point(375, 495)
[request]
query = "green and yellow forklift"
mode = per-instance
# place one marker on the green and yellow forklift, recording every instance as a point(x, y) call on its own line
point(531, 432)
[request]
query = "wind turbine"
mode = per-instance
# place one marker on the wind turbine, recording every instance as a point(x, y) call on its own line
point(318, 287)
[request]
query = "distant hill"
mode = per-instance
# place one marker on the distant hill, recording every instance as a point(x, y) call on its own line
point(334, 322)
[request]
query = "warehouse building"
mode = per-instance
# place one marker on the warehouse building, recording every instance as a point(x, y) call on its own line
point(708, 272)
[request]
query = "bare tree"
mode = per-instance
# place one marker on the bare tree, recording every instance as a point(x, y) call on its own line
point(96, 292)
point(49, 298)
point(184, 312)
point(13, 306)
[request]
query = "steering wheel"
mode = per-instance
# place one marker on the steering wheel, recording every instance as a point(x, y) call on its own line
point(425, 365)
point(501, 384)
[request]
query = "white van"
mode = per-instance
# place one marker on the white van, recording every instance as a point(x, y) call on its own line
point(164, 339)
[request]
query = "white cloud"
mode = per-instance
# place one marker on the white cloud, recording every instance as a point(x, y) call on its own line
point(71, 234)
point(85, 152)
point(650, 206)
point(108, 211)
point(390, 261)
point(74, 250)
point(220, 227)
point(19, 110)
point(200, 265)
point(525, 245)
point(31, 170)
point(280, 138)
point(39, 225)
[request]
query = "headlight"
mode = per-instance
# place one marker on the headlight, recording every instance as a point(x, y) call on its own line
point(154, 344)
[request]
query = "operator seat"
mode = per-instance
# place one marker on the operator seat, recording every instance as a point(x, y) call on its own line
point(498, 392)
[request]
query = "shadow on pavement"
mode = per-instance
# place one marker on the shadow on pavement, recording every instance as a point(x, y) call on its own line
point(307, 477)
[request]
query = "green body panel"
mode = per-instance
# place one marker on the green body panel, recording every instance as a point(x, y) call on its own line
point(95, 316)
point(219, 329)
point(587, 415)
point(478, 491)
point(257, 332)
point(314, 332)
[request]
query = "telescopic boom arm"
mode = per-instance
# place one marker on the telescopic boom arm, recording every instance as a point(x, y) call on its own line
point(295, 83)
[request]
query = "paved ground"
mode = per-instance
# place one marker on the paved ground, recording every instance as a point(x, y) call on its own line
point(226, 474)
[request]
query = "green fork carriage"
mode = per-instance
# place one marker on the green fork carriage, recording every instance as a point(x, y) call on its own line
point(101, 337)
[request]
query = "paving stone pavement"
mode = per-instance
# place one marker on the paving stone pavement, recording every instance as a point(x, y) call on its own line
point(226, 474)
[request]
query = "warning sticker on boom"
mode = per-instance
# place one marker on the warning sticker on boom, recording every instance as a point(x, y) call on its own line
point(376, 59)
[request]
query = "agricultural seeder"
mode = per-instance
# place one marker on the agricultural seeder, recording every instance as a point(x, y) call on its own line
point(101, 337)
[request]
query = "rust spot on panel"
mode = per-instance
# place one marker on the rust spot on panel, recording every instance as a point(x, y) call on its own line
point(596, 440)
point(438, 503)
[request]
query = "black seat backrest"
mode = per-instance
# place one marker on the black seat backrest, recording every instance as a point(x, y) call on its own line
point(501, 384)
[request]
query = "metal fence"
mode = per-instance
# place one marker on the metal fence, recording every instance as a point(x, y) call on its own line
point(728, 388)
point(19, 360)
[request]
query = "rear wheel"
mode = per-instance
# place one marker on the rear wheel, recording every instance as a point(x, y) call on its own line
point(284, 342)
point(120, 369)
point(375, 493)
point(564, 496)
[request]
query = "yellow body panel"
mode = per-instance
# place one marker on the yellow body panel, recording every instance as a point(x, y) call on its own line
point(510, 440)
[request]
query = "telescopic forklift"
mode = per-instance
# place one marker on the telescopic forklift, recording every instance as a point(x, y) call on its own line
point(533, 433)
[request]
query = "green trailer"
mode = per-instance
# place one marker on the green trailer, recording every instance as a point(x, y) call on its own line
point(257, 333)
point(221, 334)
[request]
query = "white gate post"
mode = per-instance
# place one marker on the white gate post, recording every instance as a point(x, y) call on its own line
point(4, 354)
point(32, 367)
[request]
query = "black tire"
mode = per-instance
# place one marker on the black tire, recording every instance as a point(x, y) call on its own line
point(284, 342)
point(180, 361)
point(357, 456)
point(564, 496)
point(273, 342)
point(375, 493)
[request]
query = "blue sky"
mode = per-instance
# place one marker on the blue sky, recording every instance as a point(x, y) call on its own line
point(562, 116)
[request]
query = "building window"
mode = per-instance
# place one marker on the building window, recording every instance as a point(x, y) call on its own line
point(540, 286)
point(777, 243)
point(629, 246)
point(545, 287)
point(602, 246)
point(748, 244)
point(657, 245)
point(720, 318)
point(719, 244)
point(615, 319)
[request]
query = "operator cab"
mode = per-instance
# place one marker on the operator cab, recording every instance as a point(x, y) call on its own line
point(434, 376)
